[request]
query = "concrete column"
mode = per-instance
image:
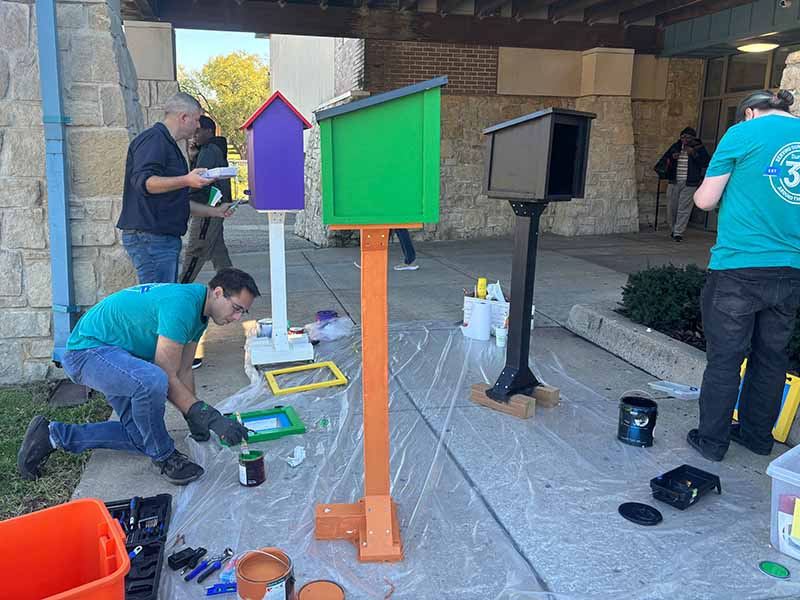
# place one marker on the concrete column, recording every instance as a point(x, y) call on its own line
point(609, 204)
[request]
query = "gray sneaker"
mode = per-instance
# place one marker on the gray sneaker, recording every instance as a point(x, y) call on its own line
point(35, 449)
point(178, 469)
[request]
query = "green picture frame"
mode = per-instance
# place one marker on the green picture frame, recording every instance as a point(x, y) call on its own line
point(285, 416)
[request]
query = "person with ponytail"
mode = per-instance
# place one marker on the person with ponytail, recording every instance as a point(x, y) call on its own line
point(752, 291)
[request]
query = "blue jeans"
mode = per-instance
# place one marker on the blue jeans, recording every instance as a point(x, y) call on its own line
point(135, 388)
point(409, 254)
point(746, 313)
point(155, 256)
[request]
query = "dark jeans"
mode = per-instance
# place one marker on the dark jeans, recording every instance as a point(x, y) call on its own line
point(135, 388)
point(409, 254)
point(746, 313)
point(154, 256)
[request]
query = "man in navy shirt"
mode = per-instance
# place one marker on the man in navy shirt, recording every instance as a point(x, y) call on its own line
point(155, 200)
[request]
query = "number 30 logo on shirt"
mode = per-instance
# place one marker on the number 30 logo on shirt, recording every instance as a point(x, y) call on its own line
point(784, 173)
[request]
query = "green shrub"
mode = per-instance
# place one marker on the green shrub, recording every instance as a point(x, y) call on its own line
point(666, 298)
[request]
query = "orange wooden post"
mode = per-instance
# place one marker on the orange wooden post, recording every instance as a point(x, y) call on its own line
point(371, 524)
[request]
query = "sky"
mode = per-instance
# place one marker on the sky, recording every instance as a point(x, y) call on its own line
point(193, 47)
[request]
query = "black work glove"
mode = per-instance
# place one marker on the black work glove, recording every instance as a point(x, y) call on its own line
point(203, 419)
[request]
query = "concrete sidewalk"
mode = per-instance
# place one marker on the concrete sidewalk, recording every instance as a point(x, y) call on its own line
point(569, 271)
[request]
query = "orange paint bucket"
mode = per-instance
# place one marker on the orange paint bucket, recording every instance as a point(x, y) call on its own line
point(321, 590)
point(265, 574)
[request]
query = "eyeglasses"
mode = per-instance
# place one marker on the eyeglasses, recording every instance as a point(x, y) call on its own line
point(236, 307)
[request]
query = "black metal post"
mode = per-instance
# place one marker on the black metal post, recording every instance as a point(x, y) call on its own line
point(658, 197)
point(517, 377)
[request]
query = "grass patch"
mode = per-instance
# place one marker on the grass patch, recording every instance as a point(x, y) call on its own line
point(62, 471)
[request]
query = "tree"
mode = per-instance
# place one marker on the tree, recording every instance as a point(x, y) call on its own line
point(230, 88)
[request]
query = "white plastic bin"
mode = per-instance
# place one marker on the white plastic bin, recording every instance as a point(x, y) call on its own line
point(785, 474)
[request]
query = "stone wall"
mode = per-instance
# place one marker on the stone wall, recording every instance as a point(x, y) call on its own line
point(152, 96)
point(791, 79)
point(348, 65)
point(657, 124)
point(100, 98)
point(609, 202)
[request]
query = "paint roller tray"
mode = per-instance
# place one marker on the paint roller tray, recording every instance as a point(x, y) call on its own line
point(684, 486)
point(141, 582)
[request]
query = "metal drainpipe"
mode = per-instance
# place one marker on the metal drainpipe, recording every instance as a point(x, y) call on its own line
point(64, 310)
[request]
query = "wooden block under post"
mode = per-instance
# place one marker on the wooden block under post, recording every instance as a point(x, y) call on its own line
point(547, 396)
point(520, 406)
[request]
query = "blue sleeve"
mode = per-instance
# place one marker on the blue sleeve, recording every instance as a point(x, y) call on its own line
point(732, 148)
point(149, 158)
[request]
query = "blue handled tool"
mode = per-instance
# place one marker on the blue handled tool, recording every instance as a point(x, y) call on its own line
point(216, 565)
point(135, 552)
point(135, 502)
point(221, 588)
point(197, 570)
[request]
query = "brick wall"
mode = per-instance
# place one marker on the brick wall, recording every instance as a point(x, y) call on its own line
point(472, 70)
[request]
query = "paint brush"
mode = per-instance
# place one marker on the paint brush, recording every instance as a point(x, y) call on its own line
point(244, 449)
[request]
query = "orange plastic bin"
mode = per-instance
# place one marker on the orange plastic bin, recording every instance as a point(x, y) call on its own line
point(67, 552)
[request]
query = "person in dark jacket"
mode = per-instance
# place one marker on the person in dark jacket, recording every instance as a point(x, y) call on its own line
point(155, 199)
point(206, 240)
point(682, 165)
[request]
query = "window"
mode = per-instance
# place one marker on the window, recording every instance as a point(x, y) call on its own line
point(747, 72)
point(709, 120)
point(714, 70)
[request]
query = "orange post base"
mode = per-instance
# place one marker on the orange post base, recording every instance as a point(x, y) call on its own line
point(371, 525)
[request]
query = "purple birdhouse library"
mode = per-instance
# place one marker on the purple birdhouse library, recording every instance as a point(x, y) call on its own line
point(275, 155)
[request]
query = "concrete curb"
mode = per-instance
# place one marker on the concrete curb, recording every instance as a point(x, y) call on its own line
point(651, 351)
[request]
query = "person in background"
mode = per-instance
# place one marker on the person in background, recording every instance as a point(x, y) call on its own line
point(682, 165)
point(752, 292)
point(206, 241)
point(155, 199)
point(409, 254)
point(136, 347)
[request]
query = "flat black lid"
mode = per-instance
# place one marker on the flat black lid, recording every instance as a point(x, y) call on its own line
point(641, 514)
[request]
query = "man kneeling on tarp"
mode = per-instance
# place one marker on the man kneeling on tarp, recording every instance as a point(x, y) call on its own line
point(137, 347)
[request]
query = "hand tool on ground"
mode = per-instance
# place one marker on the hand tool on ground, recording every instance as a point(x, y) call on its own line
point(192, 563)
point(216, 564)
point(221, 588)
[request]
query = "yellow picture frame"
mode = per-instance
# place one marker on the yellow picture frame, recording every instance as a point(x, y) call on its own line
point(339, 378)
point(791, 401)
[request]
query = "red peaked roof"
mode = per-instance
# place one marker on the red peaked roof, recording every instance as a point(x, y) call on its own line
point(255, 115)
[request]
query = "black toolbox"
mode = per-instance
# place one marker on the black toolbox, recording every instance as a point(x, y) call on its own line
point(149, 530)
point(684, 486)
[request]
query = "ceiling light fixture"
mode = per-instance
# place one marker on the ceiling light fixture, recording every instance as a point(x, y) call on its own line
point(762, 47)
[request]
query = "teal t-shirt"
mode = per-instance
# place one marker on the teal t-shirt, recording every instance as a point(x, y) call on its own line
point(133, 318)
point(759, 214)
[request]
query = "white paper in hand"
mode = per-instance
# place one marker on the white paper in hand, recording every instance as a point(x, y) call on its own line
point(221, 173)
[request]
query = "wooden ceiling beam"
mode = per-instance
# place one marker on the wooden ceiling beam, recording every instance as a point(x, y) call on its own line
point(383, 24)
point(652, 9)
point(698, 9)
point(528, 9)
point(568, 8)
point(485, 8)
point(608, 9)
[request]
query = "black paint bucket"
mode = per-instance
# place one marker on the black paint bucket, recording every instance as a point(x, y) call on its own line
point(637, 419)
point(251, 468)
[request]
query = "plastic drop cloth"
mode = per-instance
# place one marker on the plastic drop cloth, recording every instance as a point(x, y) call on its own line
point(490, 506)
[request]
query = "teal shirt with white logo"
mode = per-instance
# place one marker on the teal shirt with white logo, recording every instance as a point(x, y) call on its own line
point(759, 215)
point(133, 319)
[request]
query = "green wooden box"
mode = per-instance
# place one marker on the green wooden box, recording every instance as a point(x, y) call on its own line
point(380, 158)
